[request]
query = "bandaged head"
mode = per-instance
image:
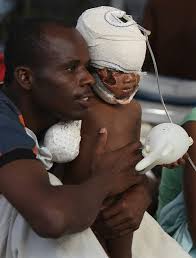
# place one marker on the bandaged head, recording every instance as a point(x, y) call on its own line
point(115, 41)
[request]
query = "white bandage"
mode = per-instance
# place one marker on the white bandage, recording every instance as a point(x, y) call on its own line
point(113, 38)
point(63, 141)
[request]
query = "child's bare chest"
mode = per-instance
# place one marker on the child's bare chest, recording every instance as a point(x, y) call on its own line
point(123, 124)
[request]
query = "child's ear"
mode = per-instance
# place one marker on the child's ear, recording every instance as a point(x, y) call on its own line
point(23, 76)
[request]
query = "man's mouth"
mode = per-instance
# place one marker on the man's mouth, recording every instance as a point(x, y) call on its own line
point(84, 101)
point(84, 98)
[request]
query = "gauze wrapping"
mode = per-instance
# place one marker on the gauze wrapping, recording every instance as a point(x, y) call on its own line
point(62, 140)
point(112, 42)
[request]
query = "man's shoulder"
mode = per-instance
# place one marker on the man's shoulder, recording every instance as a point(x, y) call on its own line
point(10, 117)
point(12, 131)
point(7, 108)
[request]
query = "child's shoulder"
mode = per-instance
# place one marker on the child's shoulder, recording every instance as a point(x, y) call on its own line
point(102, 111)
point(134, 104)
point(133, 107)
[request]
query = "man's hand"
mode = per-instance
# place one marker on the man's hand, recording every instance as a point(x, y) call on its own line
point(125, 215)
point(116, 166)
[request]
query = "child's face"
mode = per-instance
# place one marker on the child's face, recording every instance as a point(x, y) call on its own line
point(122, 85)
point(125, 85)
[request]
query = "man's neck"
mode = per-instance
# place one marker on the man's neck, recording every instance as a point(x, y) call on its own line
point(35, 119)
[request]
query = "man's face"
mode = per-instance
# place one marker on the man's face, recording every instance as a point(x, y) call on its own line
point(122, 85)
point(62, 84)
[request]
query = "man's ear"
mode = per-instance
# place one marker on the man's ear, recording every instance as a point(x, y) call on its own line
point(23, 76)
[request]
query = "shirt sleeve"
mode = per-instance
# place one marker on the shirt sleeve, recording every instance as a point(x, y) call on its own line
point(14, 142)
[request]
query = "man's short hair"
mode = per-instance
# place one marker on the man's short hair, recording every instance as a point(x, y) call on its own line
point(25, 44)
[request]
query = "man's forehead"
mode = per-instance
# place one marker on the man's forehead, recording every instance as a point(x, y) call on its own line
point(68, 42)
point(53, 29)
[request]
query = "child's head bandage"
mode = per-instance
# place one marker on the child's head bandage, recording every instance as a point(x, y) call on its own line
point(114, 39)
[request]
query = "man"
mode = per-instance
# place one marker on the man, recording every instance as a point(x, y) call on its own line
point(47, 81)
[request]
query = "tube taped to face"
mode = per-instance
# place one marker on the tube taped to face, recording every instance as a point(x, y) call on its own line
point(115, 42)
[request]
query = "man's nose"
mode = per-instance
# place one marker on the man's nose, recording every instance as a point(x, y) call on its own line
point(87, 79)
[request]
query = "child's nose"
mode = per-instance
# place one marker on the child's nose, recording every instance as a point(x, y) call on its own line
point(130, 77)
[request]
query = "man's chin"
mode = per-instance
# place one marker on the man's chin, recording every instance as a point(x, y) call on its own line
point(80, 116)
point(74, 116)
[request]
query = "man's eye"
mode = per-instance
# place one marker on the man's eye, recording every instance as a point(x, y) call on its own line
point(71, 68)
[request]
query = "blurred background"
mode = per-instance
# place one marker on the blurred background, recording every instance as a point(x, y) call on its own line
point(173, 40)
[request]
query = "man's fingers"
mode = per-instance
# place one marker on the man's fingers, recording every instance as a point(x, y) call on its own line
point(101, 141)
point(127, 161)
point(116, 221)
point(124, 226)
point(112, 210)
point(123, 233)
point(181, 162)
point(132, 147)
point(185, 156)
point(129, 155)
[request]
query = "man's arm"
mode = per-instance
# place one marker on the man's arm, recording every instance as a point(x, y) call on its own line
point(54, 210)
point(50, 210)
point(125, 215)
point(121, 246)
